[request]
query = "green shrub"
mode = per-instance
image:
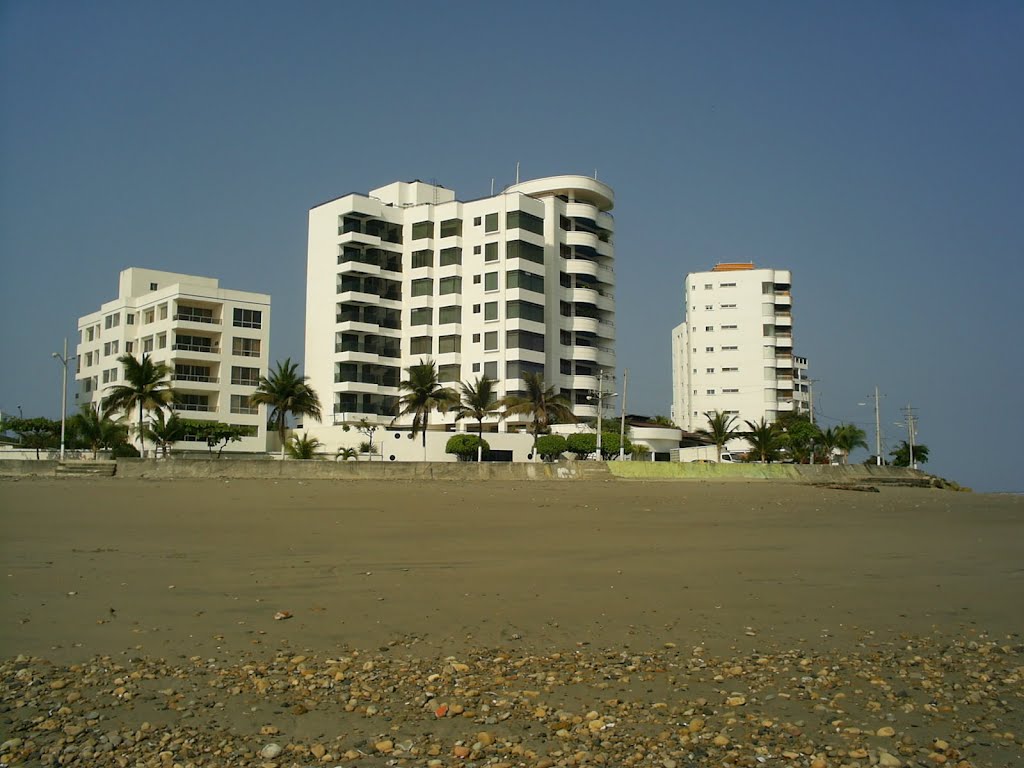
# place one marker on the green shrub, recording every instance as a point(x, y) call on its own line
point(581, 444)
point(610, 445)
point(464, 446)
point(551, 447)
point(125, 451)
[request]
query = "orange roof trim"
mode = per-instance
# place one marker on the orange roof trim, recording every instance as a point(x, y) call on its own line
point(733, 266)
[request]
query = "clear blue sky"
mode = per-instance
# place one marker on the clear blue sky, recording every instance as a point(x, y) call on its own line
point(875, 149)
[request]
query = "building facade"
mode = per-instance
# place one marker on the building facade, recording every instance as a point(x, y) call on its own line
point(519, 282)
point(734, 352)
point(215, 341)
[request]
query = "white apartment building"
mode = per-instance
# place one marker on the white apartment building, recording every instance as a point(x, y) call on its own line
point(734, 352)
point(522, 281)
point(215, 341)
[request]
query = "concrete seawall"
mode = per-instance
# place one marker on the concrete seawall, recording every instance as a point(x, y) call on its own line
point(796, 473)
point(28, 468)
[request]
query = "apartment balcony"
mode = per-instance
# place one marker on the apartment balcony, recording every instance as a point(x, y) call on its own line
point(189, 320)
point(357, 297)
point(193, 407)
point(588, 354)
point(196, 379)
point(582, 239)
point(606, 221)
point(605, 248)
point(584, 411)
point(197, 349)
point(368, 387)
point(582, 211)
point(357, 238)
point(583, 296)
point(582, 324)
point(580, 381)
point(354, 266)
point(784, 321)
point(583, 267)
point(783, 299)
point(605, 275)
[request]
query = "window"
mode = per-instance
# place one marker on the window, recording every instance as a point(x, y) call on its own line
point(727, 285)
point(491, 281)
point(421, 345)
point(491, 222)
point(147, 317)
point(711, 391)
point(709, 370)
point(89, 334)
point(451, 256)
point(730, 391)
point(491, 310)
point(709, 327)
point(245, 347)
point(422, 259)
point(516, 369)
point(192, 402)
point(520, 249)
point(729, 370)
point(423, 287)
point(421, 316)
point(729, 349)
point(88, 359)
point(128, 347)
point(451, 228)
point(525, 310)
point(449, 344)
point(709, 307)
point(491, 252)
point(524, 340)
point(476, 367)
point(476, 279)
point(194, 314)
point(449, 373)
point(184, 372)
point(707, 287)
point(728, 327)
point(565, 338)
point(161, 341)
point(242, 404)
point(476, 338)
point(111, 321)
point(247, 377)
point(476, 309)
point(422, 229)
point(491, 369)
point(161, 311)
point(477, 250)
point(449, 285)
point(708, 349)
point(728, 306)
point(527, 281)
point(248, 318)
point(524, 220)
point(152, 286)
point(193, 343)
point(490, 341)
point(110, 348)
point(130, 318)
point(452, 314)
point(477, 221)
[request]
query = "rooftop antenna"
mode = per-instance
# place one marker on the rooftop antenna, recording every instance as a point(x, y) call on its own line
point(492, 186)
point(595, 174)
point(517, 171)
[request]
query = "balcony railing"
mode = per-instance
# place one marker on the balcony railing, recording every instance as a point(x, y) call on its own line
point(368, 349)
point(381, 381)
point(191, 377)
point(211, 349)
point(192, 407)
point(196, 318)
point(246, 411)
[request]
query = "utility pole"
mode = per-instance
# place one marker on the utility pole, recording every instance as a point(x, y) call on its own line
point(911, 422)
point(64, 360)
point(622, 423)
point(600, 408)
point(878, 430)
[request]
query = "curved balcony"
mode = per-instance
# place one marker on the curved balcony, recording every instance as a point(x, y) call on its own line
point(584, 239)
point(584, 353)
point(582, 211)
point(606, 221)
point(584, 324)
point(585, 411)
point(582, 267)
point(584, 296)
point(606, 303)
point(583, 382)
point(605, 249)
point(605, 275)
point(570, 185)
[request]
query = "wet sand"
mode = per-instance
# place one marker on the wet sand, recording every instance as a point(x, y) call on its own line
point(173, 570)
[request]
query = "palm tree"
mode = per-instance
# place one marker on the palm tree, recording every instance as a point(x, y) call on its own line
point(146, 387)
point(848, 438)
point(765, 439)
point(285, 391)
point(901, 454)
point(477, 402)
point(543, 404)
point(97, 429)
point(828, 442)
point(720, 429)
point(344, 454)
point(164, 432)
point(303, 447)
point(423, 394)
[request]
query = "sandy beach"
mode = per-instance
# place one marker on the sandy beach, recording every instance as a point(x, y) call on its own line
point(481, 624)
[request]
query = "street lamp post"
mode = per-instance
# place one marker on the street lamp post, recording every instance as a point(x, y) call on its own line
point(64, 360)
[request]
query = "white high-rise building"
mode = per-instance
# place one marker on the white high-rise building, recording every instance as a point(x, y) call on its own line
point(734, 352)
point(215, 341)
point(522, 281)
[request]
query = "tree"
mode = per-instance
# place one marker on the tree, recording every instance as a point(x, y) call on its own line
point(551, 447)
point(825, 446)
point(96, 430)
point(363, 427)
point(284, 391)
point(721, 429)
point(849, 437)
point(303, 447)
point(640, 452)
point(423, 394)
point(542, 404)
point(901, 455)
point(610, 445)
point(799, 438)
point(146, 387)
point(765, 439)
point(166, 431)
point(581, 444)
point(664, 421)
point(213, 433)
point(477, 401)
point(466, 447)
point(37, 432)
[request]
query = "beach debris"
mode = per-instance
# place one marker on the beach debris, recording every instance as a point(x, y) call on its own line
point(282, 615)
